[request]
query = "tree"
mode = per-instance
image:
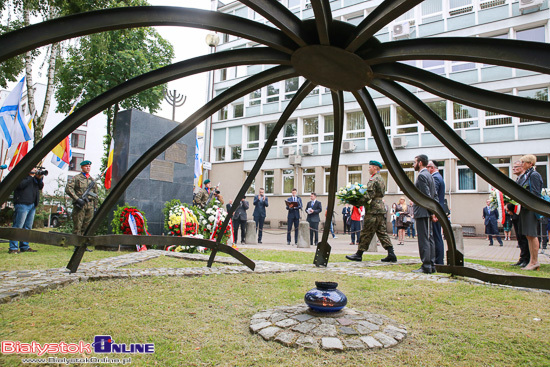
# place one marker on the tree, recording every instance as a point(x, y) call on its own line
point(102, 61)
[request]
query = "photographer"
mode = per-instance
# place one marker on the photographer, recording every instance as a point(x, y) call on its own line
point(25, 198)
point(84, 195)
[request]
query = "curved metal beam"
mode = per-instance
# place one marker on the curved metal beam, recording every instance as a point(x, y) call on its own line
point(465, 94)
point(281, 17)
point(248, 85)
point(458, 147)
point(511, 53)
point(128, 88)
point(323, 20)
point(59, 29)
point(302, 93)
point(394, 167)
point(384, 14)
point(322, 253)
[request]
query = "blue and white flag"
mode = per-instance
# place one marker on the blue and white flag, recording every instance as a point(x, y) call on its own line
point(13, 129)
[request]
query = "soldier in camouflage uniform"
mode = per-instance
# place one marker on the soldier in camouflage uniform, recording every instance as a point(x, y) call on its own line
point(202, 196)
point(75, 188)
point(374, 221)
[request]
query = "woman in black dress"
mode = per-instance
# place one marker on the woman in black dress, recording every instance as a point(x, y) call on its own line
point(530, 180)
point(402, 220)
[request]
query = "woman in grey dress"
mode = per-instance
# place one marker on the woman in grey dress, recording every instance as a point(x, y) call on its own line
point(530, 180)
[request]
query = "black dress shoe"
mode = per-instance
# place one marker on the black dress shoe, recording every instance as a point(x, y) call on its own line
point(490, 244)
point(523, 264)
point(354, 257)
point(517, 264)
point(422, 270)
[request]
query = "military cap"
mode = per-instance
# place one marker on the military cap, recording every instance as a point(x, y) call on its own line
point(84, 163)
point(375, 163)
point(207, 181)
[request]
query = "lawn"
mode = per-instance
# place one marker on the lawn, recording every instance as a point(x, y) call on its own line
point(203, 321)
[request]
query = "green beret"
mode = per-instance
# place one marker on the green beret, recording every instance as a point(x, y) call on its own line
point(207, 181)
point(84, 163)
point(375, 163)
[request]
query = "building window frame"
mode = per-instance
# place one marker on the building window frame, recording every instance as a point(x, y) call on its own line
point(78, 139)
point(308, 180)
point(354, 174)
point(288, 179)
point(269, 182)
point(465, 170)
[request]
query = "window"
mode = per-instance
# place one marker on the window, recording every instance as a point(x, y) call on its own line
point(495, 119)
point(354, 174)
point(290, 132)
point(460, 66)
point(460, 7)
point(431, 7)
point(539, 93)
point(464, 116)
point(288, 181)
point(439, 107)
point(252, 189)
point(327, 179)
point(74, 165)
point(328, 129)
point(384, 113)
point(235, 152)
point(220, 154)
point(311, 129)
point(222, 114)
point(269, 180)
point(268, 130)
point(434, 66)
point(406, 123)
point(533, 34)
point(291, 86)
point(355, 125)
point(503, 165)
point(355, 19)
point(223, 74)
point(273, 92)
point(238, 110)
point(78, 139)
point(309, 180)
point(466, 177)
point(255, 98)
point(253, 136)
point(293, 3)
point(542, 168)
point(409, 170)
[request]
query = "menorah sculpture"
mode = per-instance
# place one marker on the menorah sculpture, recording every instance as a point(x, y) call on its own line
point(335, 54)
point(174, 99)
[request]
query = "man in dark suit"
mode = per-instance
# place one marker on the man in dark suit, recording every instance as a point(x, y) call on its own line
point(313, 208)
point(293, 217)
point(260, 203)
point(426, 246)
point(440, 191)
point(346, 214)
point(491, 223)
point(239, 220)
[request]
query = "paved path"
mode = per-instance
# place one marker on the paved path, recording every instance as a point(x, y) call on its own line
point(20, 283)
point(474, 247)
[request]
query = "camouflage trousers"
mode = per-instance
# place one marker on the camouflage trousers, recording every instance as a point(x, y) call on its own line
point(374, 224)
point(82, 218)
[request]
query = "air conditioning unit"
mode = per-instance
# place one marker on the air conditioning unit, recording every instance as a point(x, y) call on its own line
point(288, 151)
point(295, 160)
point(401, 30)
point(399, 142)
point(307, 149)
point(348, 146)
point(527, 5)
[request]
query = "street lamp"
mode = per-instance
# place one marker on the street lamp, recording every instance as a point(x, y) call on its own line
point(212, 40)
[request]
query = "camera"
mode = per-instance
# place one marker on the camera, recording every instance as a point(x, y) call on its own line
point(41, 171)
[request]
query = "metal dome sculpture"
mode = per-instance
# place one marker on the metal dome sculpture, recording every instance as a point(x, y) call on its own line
point(326, 52)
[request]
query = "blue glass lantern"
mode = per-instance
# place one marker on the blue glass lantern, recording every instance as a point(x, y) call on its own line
point(325, 297)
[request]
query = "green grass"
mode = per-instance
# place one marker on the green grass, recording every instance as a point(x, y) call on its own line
point(543, 272)
point(47, 257)
point(298, 257)
point(171, 262)
point(203, 321)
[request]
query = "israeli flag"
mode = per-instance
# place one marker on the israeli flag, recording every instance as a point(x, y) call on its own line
point(13, 129)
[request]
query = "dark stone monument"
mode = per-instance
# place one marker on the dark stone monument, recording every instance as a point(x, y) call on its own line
point(169, 176)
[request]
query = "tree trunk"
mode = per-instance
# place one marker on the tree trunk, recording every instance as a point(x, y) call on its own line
point(41, 119)
point(28, 67)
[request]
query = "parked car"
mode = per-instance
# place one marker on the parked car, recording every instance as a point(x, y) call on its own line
point(57, 217)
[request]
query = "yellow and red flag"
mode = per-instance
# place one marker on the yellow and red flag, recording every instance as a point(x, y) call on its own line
point(109, 171)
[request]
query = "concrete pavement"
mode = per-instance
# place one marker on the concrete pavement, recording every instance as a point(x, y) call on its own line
point(474, 247)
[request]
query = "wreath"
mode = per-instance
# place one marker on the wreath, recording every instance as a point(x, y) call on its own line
point(127, 217)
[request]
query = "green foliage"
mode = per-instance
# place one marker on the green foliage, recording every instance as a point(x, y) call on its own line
point(10, 69)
